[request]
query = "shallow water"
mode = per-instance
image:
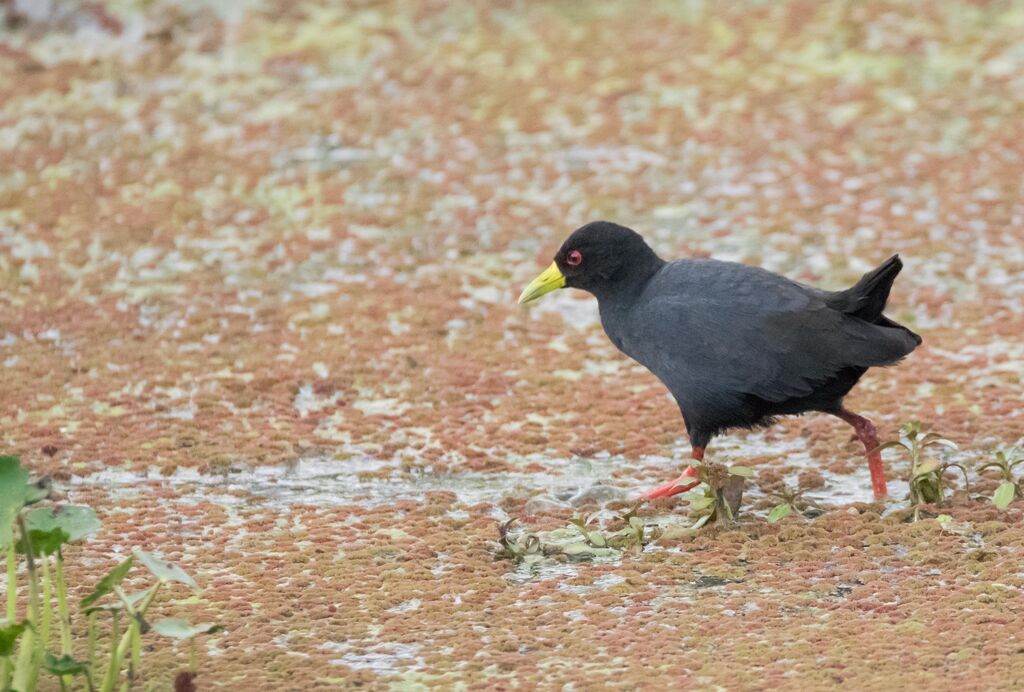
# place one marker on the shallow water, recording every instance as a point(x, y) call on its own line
point(565, 483)
point(384, 659)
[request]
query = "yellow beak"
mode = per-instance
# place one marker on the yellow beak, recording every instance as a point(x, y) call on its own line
point(550, 279)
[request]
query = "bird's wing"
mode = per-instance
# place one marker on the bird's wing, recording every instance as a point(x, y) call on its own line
point(747, 331)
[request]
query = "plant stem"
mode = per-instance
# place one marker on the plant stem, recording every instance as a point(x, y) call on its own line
point(25, 668)
point(62, 607)
point(33, 576)
point(30, 651)
point(12, 583)
point(47, 608)
point(135, 668)
point(114, 665)
point(62, 613)
point(90, 649)
point(6, 664)
point(118, 652)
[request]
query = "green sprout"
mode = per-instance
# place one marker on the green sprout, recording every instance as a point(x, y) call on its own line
point(633, 531)
point(513, 549)
point(927, 474)
point(632, 534)
point(581, 540)
point(1009, 488)
point(39, 536)
point(594, 538)
point(790, 501)
point(721, 493)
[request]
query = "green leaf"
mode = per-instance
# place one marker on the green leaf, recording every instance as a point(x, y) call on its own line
point(163, 570)
point(701, 502)
point(178, 628)
point(630, 514)
point(133, 599)
point(636, 523)
point(956, 465)
point(44, 542)
point(597, 539)
point(943, 519)
point(9, 634)
point(911, 429)
point(1004, 494)
point(700, 522)
point(888, 445)
point(106, 584)
point(925, 467)
point(13, 493)
point(65, 665)
point(780, 512)
point(941, 442)
point(741, 471)
point(38, 491)
point(77, 521)
point(49, 529)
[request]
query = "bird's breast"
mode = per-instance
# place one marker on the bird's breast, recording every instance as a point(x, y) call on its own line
point(614, 325)
point(620, 333)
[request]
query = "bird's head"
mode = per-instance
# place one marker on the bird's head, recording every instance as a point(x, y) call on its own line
point(597, 258)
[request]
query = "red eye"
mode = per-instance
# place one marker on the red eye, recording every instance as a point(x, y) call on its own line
point(574, 258)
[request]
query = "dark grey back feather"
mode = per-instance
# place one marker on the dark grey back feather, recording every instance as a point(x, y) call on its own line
point(715, 332)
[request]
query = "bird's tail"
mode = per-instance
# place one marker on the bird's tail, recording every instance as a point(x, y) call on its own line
point(867, 298)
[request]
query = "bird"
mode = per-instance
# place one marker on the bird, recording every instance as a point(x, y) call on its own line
point(736, 345)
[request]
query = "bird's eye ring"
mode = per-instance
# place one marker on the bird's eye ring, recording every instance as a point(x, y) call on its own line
point(574, 258)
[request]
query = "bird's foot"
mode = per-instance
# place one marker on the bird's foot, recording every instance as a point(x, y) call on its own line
point(673, 487)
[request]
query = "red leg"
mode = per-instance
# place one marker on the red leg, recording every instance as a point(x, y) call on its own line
point(679, 485)
point(865, 430)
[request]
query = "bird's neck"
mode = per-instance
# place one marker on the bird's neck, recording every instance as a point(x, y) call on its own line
point(630, 280)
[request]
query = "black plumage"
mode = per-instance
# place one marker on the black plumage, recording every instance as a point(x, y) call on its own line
point(737, 345)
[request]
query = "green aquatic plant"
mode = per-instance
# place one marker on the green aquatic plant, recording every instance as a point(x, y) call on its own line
point(579, 541)
point(790, 501)
point(1009, 487)
point(927, 479)
point(594, 538)
point(517, 549)
point(634, 530)
point(719, 494)
point(632, 534)
point(38, 535)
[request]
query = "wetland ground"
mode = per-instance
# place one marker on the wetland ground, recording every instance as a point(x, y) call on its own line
point(258, 270)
